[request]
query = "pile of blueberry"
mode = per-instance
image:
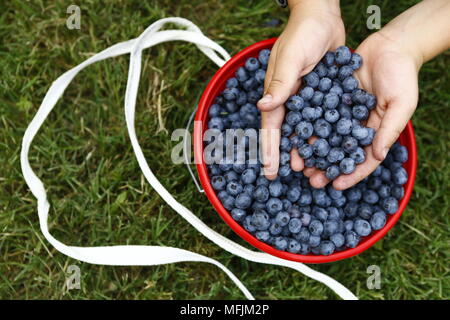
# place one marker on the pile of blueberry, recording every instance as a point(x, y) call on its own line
point(288, 213)
point(330, 106)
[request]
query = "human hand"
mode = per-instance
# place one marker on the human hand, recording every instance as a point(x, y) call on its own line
point(390, 72)
point(314, 27)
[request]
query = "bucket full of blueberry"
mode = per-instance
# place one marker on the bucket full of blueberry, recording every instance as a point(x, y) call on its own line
point(325, 124)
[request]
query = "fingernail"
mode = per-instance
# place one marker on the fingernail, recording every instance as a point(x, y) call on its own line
point(266, 99)
point(385, 152)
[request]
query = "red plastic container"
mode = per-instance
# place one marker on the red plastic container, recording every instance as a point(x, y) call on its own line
point(215, 86)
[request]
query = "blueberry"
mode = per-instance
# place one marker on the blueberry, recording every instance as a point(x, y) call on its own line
point(338, 239)
point(359, 96)
point(230, 93)
point(253, 96)
point(282, 218)
point(327, 247)
point(349, 144)
point(314, 241)
point(400, 176)
point(318, 112)
point(286, 130)
point(332, 172)
point(321, 70)
point(322, 163)
point(389, 205)
point(328, 58)
point(234, 188)
point(307, 93)
point(317, 98)
point(274, 205)
point(243, 201)
point(331, 115)
point(263, 57)
point(215, 110)
point(385, 175)
point(321, 198)
point(400, 154)
point(321, 147)
point(275, 228)
point(249, 189)
point(237, 168)
point(260, 75)
point(330, 227)
point(285, 170)
point(351, 239)
point(345, 111)
point(260, 220)
point(238, 214)
point(378, 220)
point(322, 128)
point(348, 225)
point(305, 151)
point(325, 84)
point(345, 72)
point(335, 155)
point(344, 126)
point(285, 144)
point(335, 140)
point(310, 162)
point(315, 228)
point(293, 246)
point(295, 103)
point(362, 227)
point(252, 64)
point(347, 165)
point(309, 113)
point(303, 235)
point(250, 84)
point(368, 140)
point(248, 176)
point(281, 243)
point(275, 188)
point(353, 194)
point(293, 194)
point(351, 209)
point(360, 132)
point(359, 155)
point(365, 210)
point(331, 100)
point(374, 183)
point(228, 202)
point(332, 72)
point(342, 55)
point(247, 224)
point(360, 112)
point(285, 158)
point(297, 142)
point(262, 235)
point(397, 192)
point(355, 61)
point(232, 83)
point(371, 101)
point(293, 118)
point(312, 79)
point(218, 183)
point(384, 191)
point(261, 193)
point(295, 224)
point(216, 123)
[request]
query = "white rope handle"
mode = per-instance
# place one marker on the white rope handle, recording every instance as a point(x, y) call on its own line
point(147, 255)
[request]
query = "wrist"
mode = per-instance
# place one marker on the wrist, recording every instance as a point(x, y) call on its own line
point(325, 6)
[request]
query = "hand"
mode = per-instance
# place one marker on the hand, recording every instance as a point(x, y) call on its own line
point(314, 27)
point(390, 72)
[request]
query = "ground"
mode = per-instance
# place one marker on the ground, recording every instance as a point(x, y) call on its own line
point(100, 197)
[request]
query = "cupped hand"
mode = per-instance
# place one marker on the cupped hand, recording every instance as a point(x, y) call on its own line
point(389, 72)
point(313, 29)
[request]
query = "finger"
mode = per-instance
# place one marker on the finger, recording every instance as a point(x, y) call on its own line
point(297, 163)
point(308, 172)
point(284, 80)
point(270, 140)
point(318, 179)
point(362, 170)
point(271, 64)
point(398, 113)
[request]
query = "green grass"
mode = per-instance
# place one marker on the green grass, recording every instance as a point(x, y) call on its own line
point(100, 197)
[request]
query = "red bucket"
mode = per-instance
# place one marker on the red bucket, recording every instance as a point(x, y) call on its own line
point(215, 86)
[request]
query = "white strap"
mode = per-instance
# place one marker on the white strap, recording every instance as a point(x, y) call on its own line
point(147, 255)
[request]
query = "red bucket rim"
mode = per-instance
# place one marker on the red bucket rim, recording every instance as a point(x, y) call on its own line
point(217, 84)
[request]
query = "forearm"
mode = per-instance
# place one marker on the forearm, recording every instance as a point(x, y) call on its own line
point(423, 30)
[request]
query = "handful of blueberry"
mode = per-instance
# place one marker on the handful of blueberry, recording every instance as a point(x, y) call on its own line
point(288, 213)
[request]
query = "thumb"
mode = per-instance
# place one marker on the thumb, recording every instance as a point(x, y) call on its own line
point(283, 83)
point(394, 121)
